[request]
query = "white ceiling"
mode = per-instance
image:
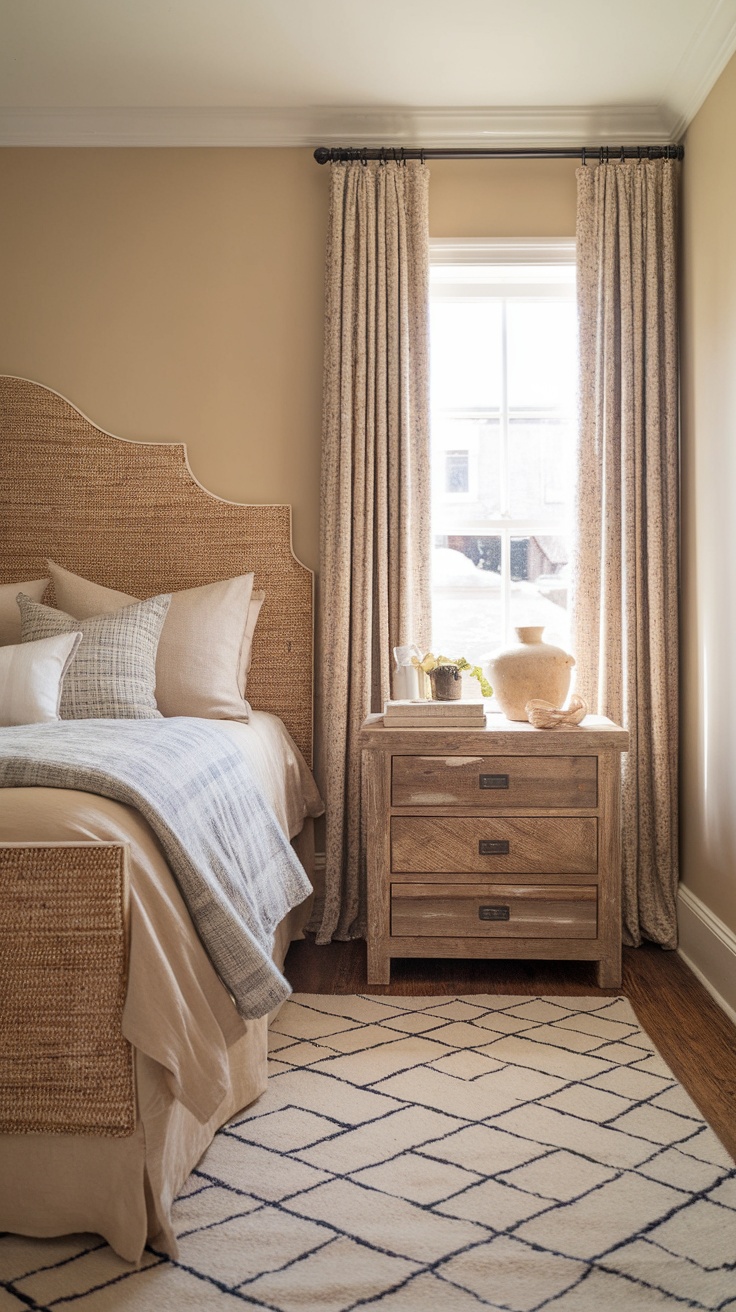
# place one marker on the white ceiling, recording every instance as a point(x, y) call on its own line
point(293, 72)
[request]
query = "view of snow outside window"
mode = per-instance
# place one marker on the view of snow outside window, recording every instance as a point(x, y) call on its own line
point(504, 404)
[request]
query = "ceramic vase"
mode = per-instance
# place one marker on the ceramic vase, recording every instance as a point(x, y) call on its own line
point(531, 668)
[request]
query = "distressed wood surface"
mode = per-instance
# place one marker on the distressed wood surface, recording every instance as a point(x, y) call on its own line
point(541, 781)
point(445, 804)
point(609, 869)
point(500, 736)
point(376, 770)
point(454, 910)
point(560, 844)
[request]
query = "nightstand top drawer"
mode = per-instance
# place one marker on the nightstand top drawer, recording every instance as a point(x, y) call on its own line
point(495, 845)
point(495, 782)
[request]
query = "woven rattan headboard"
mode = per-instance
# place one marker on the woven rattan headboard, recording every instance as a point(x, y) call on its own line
point(131, 515)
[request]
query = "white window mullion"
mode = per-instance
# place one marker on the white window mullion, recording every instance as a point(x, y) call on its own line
point(504, 474)
point(505, 584)
point(504, 462)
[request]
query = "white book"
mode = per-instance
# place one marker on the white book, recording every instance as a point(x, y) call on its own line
point(446, 722)
point(434, 710)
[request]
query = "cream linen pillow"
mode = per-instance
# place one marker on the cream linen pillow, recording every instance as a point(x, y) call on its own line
point(114, 671)
point(9, 613)
point(31, 676)
point(204, 653)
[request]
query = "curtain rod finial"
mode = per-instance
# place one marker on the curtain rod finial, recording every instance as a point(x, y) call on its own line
point(322, 154)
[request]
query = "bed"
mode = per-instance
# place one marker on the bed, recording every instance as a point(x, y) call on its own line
point(122, 1050)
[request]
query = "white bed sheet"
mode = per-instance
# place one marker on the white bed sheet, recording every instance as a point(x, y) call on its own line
point(279, 767)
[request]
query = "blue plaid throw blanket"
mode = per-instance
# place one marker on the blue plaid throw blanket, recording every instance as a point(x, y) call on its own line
point(234, 866)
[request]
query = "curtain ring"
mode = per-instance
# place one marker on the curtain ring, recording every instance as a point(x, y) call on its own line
point(600, 155)
point(583, 160)
point(623, 155)
point(364, 157)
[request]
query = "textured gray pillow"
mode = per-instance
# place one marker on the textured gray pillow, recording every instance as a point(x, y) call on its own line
point(113, 674)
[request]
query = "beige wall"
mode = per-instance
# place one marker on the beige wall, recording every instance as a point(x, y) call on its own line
point(177, 294)
point(502, 198)
point(709, 503)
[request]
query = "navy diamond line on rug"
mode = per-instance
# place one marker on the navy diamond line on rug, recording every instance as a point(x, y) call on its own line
point(510, 1153)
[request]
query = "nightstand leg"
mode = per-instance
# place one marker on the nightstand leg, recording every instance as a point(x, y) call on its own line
point(379, 965)
point(608, 971)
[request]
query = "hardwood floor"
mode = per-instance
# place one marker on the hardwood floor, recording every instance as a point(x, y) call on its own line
point(695, 1038)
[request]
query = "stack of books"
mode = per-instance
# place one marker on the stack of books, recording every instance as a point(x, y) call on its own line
point(434, 715)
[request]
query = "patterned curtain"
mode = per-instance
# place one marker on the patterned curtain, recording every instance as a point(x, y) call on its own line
point(374, 562)
point(626, 560)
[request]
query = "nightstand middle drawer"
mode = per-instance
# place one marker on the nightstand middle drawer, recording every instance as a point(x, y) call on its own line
point(494, 845)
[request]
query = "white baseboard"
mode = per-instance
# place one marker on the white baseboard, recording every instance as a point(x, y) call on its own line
point(708, 947)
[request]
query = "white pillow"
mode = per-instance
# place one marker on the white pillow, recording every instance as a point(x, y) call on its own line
point(9, 613)
point(204, 652)
point(31, 678)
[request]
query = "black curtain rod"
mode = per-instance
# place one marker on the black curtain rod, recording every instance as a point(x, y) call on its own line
point(398, 154)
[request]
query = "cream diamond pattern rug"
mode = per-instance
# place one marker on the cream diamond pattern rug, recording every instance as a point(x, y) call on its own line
point(413, 1154)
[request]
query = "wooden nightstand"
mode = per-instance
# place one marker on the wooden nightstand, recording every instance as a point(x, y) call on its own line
point(495, 842)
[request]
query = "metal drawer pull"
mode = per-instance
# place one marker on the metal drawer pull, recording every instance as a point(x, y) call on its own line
point(493, 781)
point(493, 913)
point(493, 847)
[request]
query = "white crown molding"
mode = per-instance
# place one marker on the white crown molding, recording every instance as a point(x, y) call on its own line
point(211, 126)
point(524, 126)
point(701, 66)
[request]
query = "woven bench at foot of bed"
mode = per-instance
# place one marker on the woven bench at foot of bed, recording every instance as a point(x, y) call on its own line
point(65, 1067)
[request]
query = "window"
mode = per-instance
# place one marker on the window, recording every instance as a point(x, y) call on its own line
point(503, 380)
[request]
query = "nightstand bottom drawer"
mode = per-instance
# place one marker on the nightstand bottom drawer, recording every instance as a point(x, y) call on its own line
point(493, 911)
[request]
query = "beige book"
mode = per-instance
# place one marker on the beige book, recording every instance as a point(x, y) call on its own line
point(423, 722)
